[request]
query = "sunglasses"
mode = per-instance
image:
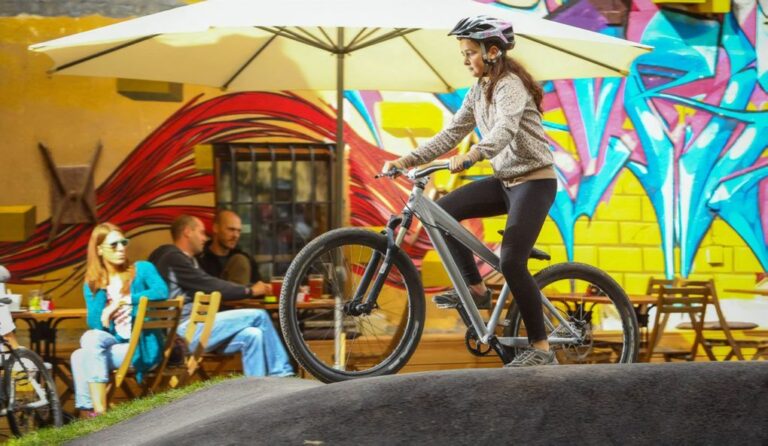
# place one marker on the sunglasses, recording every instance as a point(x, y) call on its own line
point(113, 245)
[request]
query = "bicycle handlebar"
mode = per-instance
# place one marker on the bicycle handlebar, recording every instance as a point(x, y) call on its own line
point(415, 174)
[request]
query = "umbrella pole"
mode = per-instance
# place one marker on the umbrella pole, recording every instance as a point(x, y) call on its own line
point(339, 198)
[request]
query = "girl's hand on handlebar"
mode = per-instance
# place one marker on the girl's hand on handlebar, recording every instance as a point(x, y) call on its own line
point(397, 164)
point(460, 162)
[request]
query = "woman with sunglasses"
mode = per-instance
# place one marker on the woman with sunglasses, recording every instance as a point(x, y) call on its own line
point(112, 289)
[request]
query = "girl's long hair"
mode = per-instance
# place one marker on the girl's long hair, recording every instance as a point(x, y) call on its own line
point(510, 65)
point(95, 270)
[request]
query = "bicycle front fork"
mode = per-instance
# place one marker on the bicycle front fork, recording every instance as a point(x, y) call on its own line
point(357, 305)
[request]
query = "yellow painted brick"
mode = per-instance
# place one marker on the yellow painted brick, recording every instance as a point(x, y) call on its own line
point(620, 208)
point(432, 271)
point(722, 234)
point(639, 233)
point(635, 283)
point(649, 213)
point(585, 254)
point(596, 232)
point(628, 184)
point(744, 260)
point(653, 260)
point(701, 265)
point(620, 259)
point(491, 228)
point(557, 252)
point(550, 234)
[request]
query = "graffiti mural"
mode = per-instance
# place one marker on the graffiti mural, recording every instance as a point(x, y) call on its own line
point(689, 123)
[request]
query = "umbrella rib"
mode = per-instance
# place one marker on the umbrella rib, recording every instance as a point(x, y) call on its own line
point(311, 36)
point(328, 38)
point(102, 53)
point(431, 67)
point(571, 53)
point(399, 32)
point(245, 65)
point(370, 33)
point(293, 36)
point(357, 36)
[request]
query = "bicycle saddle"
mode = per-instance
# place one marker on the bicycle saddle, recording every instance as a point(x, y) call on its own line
point(535, 253)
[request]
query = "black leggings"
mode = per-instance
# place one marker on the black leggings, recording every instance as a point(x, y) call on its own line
point(526, 206)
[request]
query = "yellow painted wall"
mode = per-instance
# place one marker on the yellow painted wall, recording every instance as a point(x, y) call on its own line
point(70, 115)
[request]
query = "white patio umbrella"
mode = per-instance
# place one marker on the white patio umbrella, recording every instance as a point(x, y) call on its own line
point(395, 45)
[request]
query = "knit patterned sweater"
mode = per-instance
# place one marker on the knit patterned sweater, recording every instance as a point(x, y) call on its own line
point(512, 135)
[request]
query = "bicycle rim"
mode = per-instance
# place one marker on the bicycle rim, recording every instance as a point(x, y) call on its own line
point(32, 399)
point(325, 335)
point(595, 305)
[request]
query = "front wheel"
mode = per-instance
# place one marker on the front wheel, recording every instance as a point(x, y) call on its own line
point(31, 393)
point(595, 305)
point(335, 340)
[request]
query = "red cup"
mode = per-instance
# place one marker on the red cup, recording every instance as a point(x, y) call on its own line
point(316, 286)
point(277, 286)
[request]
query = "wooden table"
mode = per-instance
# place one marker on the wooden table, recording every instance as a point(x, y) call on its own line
point(759, 292)
point(43, 327)
point(274, 306)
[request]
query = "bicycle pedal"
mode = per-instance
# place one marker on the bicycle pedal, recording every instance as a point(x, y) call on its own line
point(446, 306)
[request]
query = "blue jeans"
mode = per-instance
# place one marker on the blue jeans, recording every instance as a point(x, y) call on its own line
point(251, 333)
point(99, 354)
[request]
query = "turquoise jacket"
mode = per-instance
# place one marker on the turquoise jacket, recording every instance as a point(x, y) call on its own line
point(146, 283)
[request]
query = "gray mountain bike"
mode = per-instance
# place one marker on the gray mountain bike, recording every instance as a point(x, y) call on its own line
point(370, 316)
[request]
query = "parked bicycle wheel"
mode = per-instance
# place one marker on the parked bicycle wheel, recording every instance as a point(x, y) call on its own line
point(597, 308)
point(335, 340)
point(31, 392)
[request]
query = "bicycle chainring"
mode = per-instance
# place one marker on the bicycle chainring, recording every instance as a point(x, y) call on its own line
point(474, 345)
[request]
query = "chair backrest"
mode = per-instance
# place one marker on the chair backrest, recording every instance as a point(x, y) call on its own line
point(152, 315)
point(690, 300)
point(204, 309)
point(655, 285)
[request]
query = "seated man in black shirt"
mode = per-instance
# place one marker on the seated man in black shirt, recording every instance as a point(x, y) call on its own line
point(248, 331)
point(222, 258)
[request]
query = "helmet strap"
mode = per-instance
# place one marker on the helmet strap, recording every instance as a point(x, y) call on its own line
point(488, 62)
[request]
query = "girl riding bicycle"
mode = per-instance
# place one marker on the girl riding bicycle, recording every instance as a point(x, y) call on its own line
point(505, 104)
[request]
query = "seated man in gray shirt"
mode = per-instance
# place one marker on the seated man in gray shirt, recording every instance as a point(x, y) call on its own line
point(248, 331)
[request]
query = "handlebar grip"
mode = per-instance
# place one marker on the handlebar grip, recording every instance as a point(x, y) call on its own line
point(467, 164)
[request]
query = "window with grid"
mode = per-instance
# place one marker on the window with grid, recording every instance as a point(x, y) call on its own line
point(282, 193)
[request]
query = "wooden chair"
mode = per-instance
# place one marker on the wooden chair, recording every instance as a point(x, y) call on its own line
point(151, 315)
point(690, 300)
point(204, 309)
point(718, 333)
point(652, 289)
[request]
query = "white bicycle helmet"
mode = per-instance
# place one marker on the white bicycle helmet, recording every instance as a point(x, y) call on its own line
point(483, 28)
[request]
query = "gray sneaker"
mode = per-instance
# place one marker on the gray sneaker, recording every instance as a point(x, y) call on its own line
point(450, 299)
point(533, 356)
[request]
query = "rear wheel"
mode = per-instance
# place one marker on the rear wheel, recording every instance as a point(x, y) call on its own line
point(333, 340)
point(597, 308)
point(31, 392)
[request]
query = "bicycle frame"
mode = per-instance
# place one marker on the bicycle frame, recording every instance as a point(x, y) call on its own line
point(437, 221)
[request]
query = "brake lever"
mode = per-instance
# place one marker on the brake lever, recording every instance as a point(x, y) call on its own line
point(393, 173)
